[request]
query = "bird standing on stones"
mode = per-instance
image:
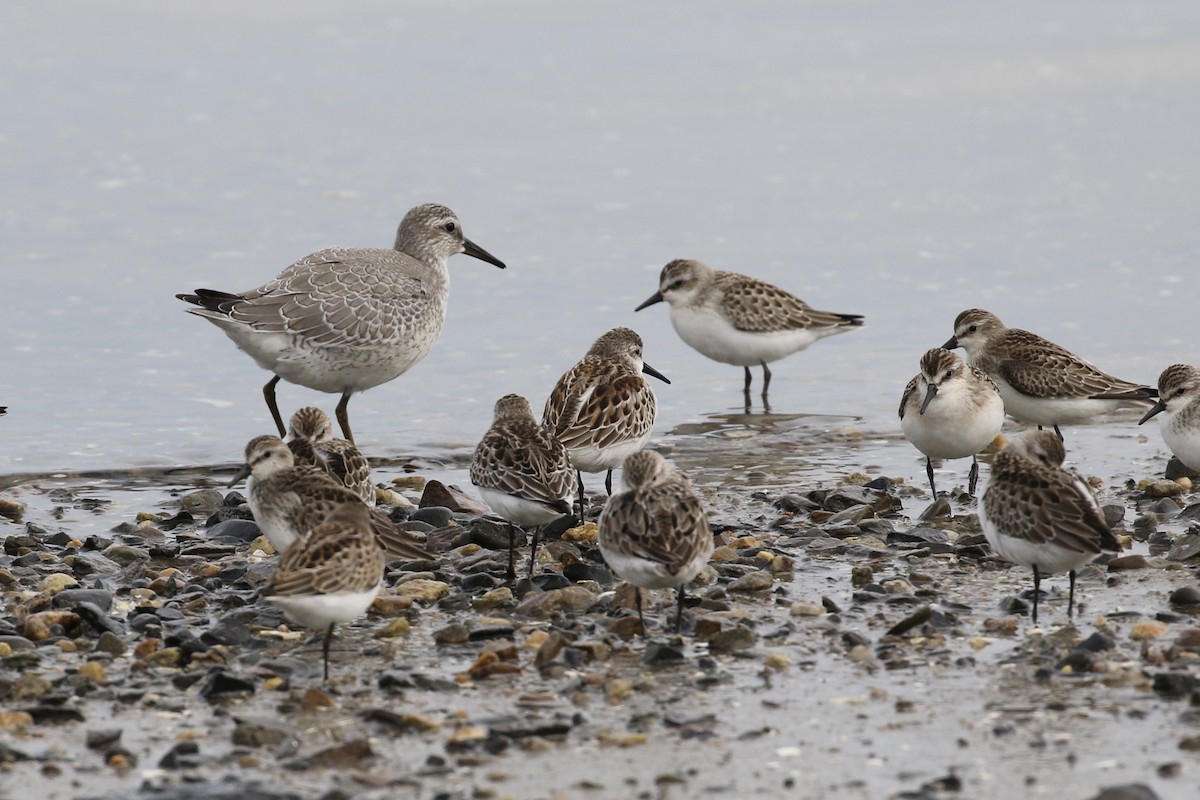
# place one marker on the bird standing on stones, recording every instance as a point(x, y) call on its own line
point(950, 410)
point(602, 409)
point(523, 473)
point(331, 574)
point(655, 534)
point(289, 500)
point(1036, 514)
point(740, 320)
point(310, 438)
point(345, 320)
point(1041, 382)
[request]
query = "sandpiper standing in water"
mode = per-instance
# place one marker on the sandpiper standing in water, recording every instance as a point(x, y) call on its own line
point(740, 320)
point(345, 320)
point(602, 409)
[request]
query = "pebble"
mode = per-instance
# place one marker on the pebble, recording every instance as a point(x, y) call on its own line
point(202, 501)
point(39, 627)
point(757, 581)
point(1128, 791)
point(437, 493)
point(423, 590)
point(1186, 547)
point(568, 599)
point(15, 720)
point(93, 671)
point(437, 516)
point(1134, 561)
point(732, 640)
point(1162, 488)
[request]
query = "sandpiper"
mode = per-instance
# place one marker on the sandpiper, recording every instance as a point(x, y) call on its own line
point(655, 534)
point(1179, 399)
point(740, 320)
point(347, 319)
point(950, 410)
point(310, 438)
point(289, 500)
point(1041, 382)
point(602, 409)
point(1036, 514)
point(331, 574)
point(523, 473)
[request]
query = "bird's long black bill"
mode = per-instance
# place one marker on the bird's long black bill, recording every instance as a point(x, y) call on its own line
point(930, 393)
point(951, 343)
point(475, 251)
point(654, 298)
point(1158, 408)
point(649, 370)
point(242, 474)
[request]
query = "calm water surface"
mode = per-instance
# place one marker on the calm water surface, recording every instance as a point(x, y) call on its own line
point(903, 163)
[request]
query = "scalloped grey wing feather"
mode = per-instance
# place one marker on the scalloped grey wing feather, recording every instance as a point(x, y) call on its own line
point(528, 464)
point(338, 297)
point(757, 306)
point(330, 559)
point(1040, 368)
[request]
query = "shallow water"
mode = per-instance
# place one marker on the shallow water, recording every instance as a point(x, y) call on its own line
point(899, 163)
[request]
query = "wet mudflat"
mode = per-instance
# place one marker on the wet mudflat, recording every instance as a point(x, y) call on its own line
point(849, 639)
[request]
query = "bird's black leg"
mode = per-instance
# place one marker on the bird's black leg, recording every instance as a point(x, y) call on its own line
point(608, 483)
point(973, 480)
point(637, 593)
point(679, 610)
point(343, 419)
point(766, 380)
point(929, 472)
point(1037, 589)
point(579, 475)
point(325, 649)
point(269, 394)
point(746, 386)
point(1060, 436)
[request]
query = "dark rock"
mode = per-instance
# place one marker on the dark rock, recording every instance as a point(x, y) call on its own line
point(556, 528)
point(578, 571)
point(345, 756)
point(1097, 642)
point(918, 617)
point(184, 755)
point(110, 643)
point(102, 738)
point(520, 728)
point(1113, 513)
point(549, 581)
point(1078, 661)
point(97, 620)
point(938, 509)
point(478, 582)
point(182, 518)
point(922, 535)
point(1175, 684)
point(53, 714)
point(224, 790)
point(1192, 512)
point(227, 513)
point(1176, 469)
point(732, 640)
point(239, 530)
point(255, 734)
point(10, 754)
point(437, 493)
point(437, 516)
point(1185, 548)
point(1186, 596)
point(659, 653)
point(794, 503)
point(1128, 791)
point(446, 538)
point(229, 630)
point(222, 684)
point(1134, 561)
point(69, 598)
point(494, 535)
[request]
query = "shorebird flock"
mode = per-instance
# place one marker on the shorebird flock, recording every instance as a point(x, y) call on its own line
point(345, 320)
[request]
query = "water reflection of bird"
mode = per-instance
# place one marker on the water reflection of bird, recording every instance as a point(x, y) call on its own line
point(347, 319)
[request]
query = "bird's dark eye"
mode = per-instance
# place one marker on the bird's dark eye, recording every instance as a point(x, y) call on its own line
point(450, 227)
point(675, 284)
point(1180, 392)
point(972, 329)
point(946, 377)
